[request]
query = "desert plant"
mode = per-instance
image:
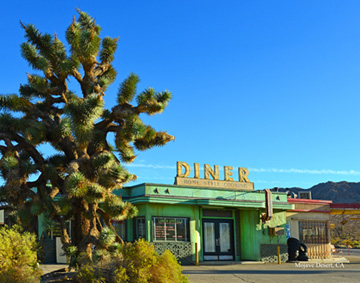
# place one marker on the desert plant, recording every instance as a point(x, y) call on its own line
point(90, 143)
point(87, 274)
point(136, 262)
point(167, 269)
point(143, 264)
point(18, 256)
point(348, 243)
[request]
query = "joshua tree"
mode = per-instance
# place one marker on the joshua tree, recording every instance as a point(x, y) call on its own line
point(78, 181)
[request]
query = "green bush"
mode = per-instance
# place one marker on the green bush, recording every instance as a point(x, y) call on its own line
point(348, 243)
point(135, 263)
point(168, 269)
point(18, 256)
point(87, 274)
point(141, 263)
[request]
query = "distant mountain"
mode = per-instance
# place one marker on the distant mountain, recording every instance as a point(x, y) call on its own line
point(340, 192)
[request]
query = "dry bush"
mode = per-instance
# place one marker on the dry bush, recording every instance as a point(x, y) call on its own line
point(136, 263)
point(18, 256)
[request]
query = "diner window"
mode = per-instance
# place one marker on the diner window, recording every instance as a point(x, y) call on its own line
point(120, 228)
point(171, 229)
point(313, 232)
point(140, 228)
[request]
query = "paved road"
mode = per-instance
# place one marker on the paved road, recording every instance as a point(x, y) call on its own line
point(47, 268)
point(329, 272)
point(286, 272)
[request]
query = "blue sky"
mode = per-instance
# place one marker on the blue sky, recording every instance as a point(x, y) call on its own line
point(268, 85)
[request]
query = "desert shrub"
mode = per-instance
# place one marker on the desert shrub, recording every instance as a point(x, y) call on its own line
point(87, 274)
point(18, 256)
point(141, 263)
point(347, 243)
point(120, 275)
point(136, 262)
point(167, 269)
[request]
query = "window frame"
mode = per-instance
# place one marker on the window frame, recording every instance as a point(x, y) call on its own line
point(121, 222)
point(136, 228)
point(316, 230)
point(186, 233)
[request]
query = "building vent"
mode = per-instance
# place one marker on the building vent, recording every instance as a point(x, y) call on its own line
point(305, 195)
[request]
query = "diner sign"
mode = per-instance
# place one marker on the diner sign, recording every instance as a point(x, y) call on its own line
point(184, 170)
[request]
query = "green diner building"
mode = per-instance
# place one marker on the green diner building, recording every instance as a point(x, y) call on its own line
point(209, 219)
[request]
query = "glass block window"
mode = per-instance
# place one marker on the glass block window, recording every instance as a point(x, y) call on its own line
point(171, 229)
point(313, 232)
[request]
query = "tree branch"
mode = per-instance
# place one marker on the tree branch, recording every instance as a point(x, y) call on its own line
point(50, 76)
point(101, 69)
point(3, 149)
point(54, 192)
point(7, 139)
point(75, 73)
point(108, 223)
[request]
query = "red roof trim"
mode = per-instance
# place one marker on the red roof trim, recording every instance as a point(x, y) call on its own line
point(317, 211)
point(300, 200)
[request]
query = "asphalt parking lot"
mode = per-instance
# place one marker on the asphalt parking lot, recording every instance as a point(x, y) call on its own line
point(338, 271)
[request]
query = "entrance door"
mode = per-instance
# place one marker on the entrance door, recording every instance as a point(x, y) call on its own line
point(218, 239)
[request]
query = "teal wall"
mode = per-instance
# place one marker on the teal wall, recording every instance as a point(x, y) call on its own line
point(171, 194)
point(249, 249)
point(254, 233)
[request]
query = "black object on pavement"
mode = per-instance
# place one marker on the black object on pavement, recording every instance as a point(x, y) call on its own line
point(296, 251)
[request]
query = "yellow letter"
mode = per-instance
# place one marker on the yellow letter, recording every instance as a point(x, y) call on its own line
point(196, 171)
point(228, 173)
point(179, 169)
point(208, 170)
point(243, 173)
